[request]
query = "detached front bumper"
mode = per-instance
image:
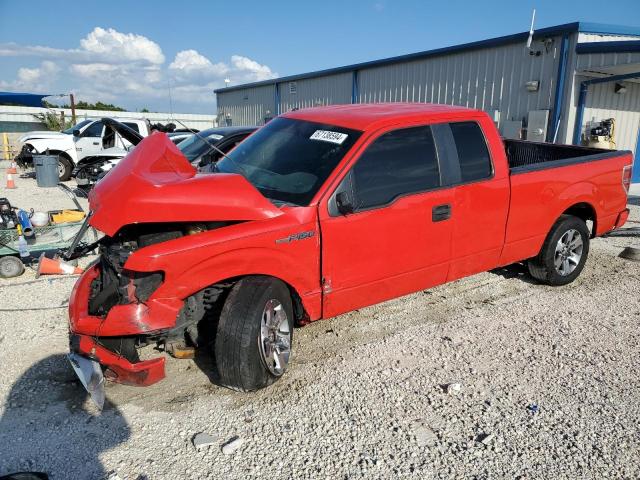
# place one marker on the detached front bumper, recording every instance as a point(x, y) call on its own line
point(135, 319)
point(117, 368)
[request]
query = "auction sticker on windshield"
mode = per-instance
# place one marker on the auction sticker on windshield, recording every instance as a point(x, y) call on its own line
point(328, 136)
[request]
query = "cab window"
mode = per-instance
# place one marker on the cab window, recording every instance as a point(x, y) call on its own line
point(93, 130)
point(398, 163)
point(475, 162)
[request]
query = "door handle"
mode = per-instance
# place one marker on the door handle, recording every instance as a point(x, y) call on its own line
point(96, 143)
point(441, 212)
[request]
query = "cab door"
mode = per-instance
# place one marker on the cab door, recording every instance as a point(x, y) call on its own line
point(386, 229)
point(89, 142)
point(481, 199)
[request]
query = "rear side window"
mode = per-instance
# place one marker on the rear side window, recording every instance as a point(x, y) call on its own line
point(398, 163)
point(133, 126)
point(475, 163)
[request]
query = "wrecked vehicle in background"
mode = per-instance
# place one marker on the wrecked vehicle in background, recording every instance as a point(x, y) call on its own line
point(208, 146)
point(93, 167)
point(320, 212)
point(72, 145)
point(201, 149)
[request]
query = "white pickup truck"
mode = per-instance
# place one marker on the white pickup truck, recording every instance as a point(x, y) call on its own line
point(73, 144)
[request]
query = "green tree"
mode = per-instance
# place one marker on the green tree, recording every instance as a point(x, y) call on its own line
point(53, 121)
point(87, 106)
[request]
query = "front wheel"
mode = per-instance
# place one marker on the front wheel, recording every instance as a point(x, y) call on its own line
point(563, 253)
point(65, 168)
point(255, 330)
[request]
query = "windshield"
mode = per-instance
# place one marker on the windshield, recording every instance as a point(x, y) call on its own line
point(77, 126)
point(289, 160)
point(193, 146)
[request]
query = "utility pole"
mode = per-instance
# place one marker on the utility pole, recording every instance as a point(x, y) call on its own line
point(73, 108)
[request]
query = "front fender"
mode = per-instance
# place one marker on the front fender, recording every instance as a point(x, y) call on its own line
point(40, 146)
point(270, 247)
point(250, 261)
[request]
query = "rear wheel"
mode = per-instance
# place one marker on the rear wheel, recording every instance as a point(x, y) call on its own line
point(563, 253)
point(253, 341)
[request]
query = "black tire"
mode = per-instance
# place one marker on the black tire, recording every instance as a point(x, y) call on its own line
point(543, 266)
point(11, 267)
point(238, 351)
point(65, 168)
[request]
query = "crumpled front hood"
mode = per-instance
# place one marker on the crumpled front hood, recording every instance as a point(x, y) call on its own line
point(155, 183)
point(42, 134)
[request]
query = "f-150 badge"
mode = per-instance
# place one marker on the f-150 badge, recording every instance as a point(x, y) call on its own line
point(296, 236)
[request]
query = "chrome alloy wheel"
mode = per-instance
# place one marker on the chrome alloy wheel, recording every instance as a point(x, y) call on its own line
point(275, 337)
point(568, 252)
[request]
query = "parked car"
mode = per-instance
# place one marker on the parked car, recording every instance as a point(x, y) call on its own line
point(198, 151)
point(177, 137)
point(73, 144)
point(199, 148)
point(320, 212)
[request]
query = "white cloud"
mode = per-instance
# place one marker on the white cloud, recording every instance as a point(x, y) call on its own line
point(122, 46)
point(130, 70)
point(92, 69)
point(190, 65)
point(251, 69)
point(39, 78)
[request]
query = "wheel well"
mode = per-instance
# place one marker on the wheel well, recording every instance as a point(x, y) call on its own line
point(222, 287)
point(60, 153)
point(585, 212)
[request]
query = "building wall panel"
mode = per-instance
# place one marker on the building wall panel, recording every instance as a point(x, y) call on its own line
point(488, 79)
point(594, 62)
point(602, 102)
point(23, 119)
point(583, 64)
point(311, 92)
point(250, 106)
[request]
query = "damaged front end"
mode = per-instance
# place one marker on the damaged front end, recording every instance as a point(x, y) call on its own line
point(153, 196)
point(113, 311)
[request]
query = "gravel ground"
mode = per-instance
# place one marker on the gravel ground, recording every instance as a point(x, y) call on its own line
point(492, 376)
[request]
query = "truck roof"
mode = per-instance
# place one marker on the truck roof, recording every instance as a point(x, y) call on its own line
point(366, 115)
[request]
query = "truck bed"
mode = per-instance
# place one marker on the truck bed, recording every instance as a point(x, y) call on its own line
point(524, 156)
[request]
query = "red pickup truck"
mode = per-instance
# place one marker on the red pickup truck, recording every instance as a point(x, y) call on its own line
point(320, 212)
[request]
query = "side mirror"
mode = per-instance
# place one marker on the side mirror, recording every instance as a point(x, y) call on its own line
point(344, 203)
point(76, 132)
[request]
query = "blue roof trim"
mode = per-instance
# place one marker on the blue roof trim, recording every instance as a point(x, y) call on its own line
point(25, 99)
point(606, 29)
point(607, 47)
point(491, 42)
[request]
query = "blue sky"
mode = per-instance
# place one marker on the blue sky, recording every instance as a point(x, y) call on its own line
point(129, 52)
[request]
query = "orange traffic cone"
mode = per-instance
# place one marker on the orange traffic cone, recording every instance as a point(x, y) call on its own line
point(55, 266)
point(13, 169)
point(10, 182)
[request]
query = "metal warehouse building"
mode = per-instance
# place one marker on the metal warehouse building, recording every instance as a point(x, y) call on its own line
point(572, 77)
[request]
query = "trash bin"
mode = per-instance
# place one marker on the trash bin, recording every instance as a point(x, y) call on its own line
point(46, 170)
